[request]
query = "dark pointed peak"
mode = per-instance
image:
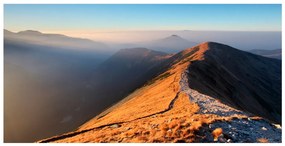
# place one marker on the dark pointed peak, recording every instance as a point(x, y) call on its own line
point(174, 36)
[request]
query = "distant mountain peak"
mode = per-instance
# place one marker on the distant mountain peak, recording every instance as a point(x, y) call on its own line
point(30, 32)
point(6, 32)
point(170, 44)
point(175, 38)
point(174, 35)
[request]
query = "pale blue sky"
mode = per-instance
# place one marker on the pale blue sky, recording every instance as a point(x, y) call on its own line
point(143, 17)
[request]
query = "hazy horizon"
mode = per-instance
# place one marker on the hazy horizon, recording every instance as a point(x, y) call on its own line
point(117, 36)
point(244, 40)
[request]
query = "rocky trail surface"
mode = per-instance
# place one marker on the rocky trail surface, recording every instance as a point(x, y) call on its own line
point(242, 128)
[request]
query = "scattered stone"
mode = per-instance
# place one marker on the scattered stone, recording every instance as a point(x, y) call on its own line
point(263, 128)
point(234, 136)
point(277, 126)
point(169, 130)
point(114, 126)
point(153, 116)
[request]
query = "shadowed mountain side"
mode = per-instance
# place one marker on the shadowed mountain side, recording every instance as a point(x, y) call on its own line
point(246, 81)
point(125, 71)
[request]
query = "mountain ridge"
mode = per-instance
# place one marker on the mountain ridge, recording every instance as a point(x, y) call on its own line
point(182, 114)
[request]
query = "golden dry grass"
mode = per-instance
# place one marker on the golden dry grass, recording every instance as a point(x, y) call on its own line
point(176, 125)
